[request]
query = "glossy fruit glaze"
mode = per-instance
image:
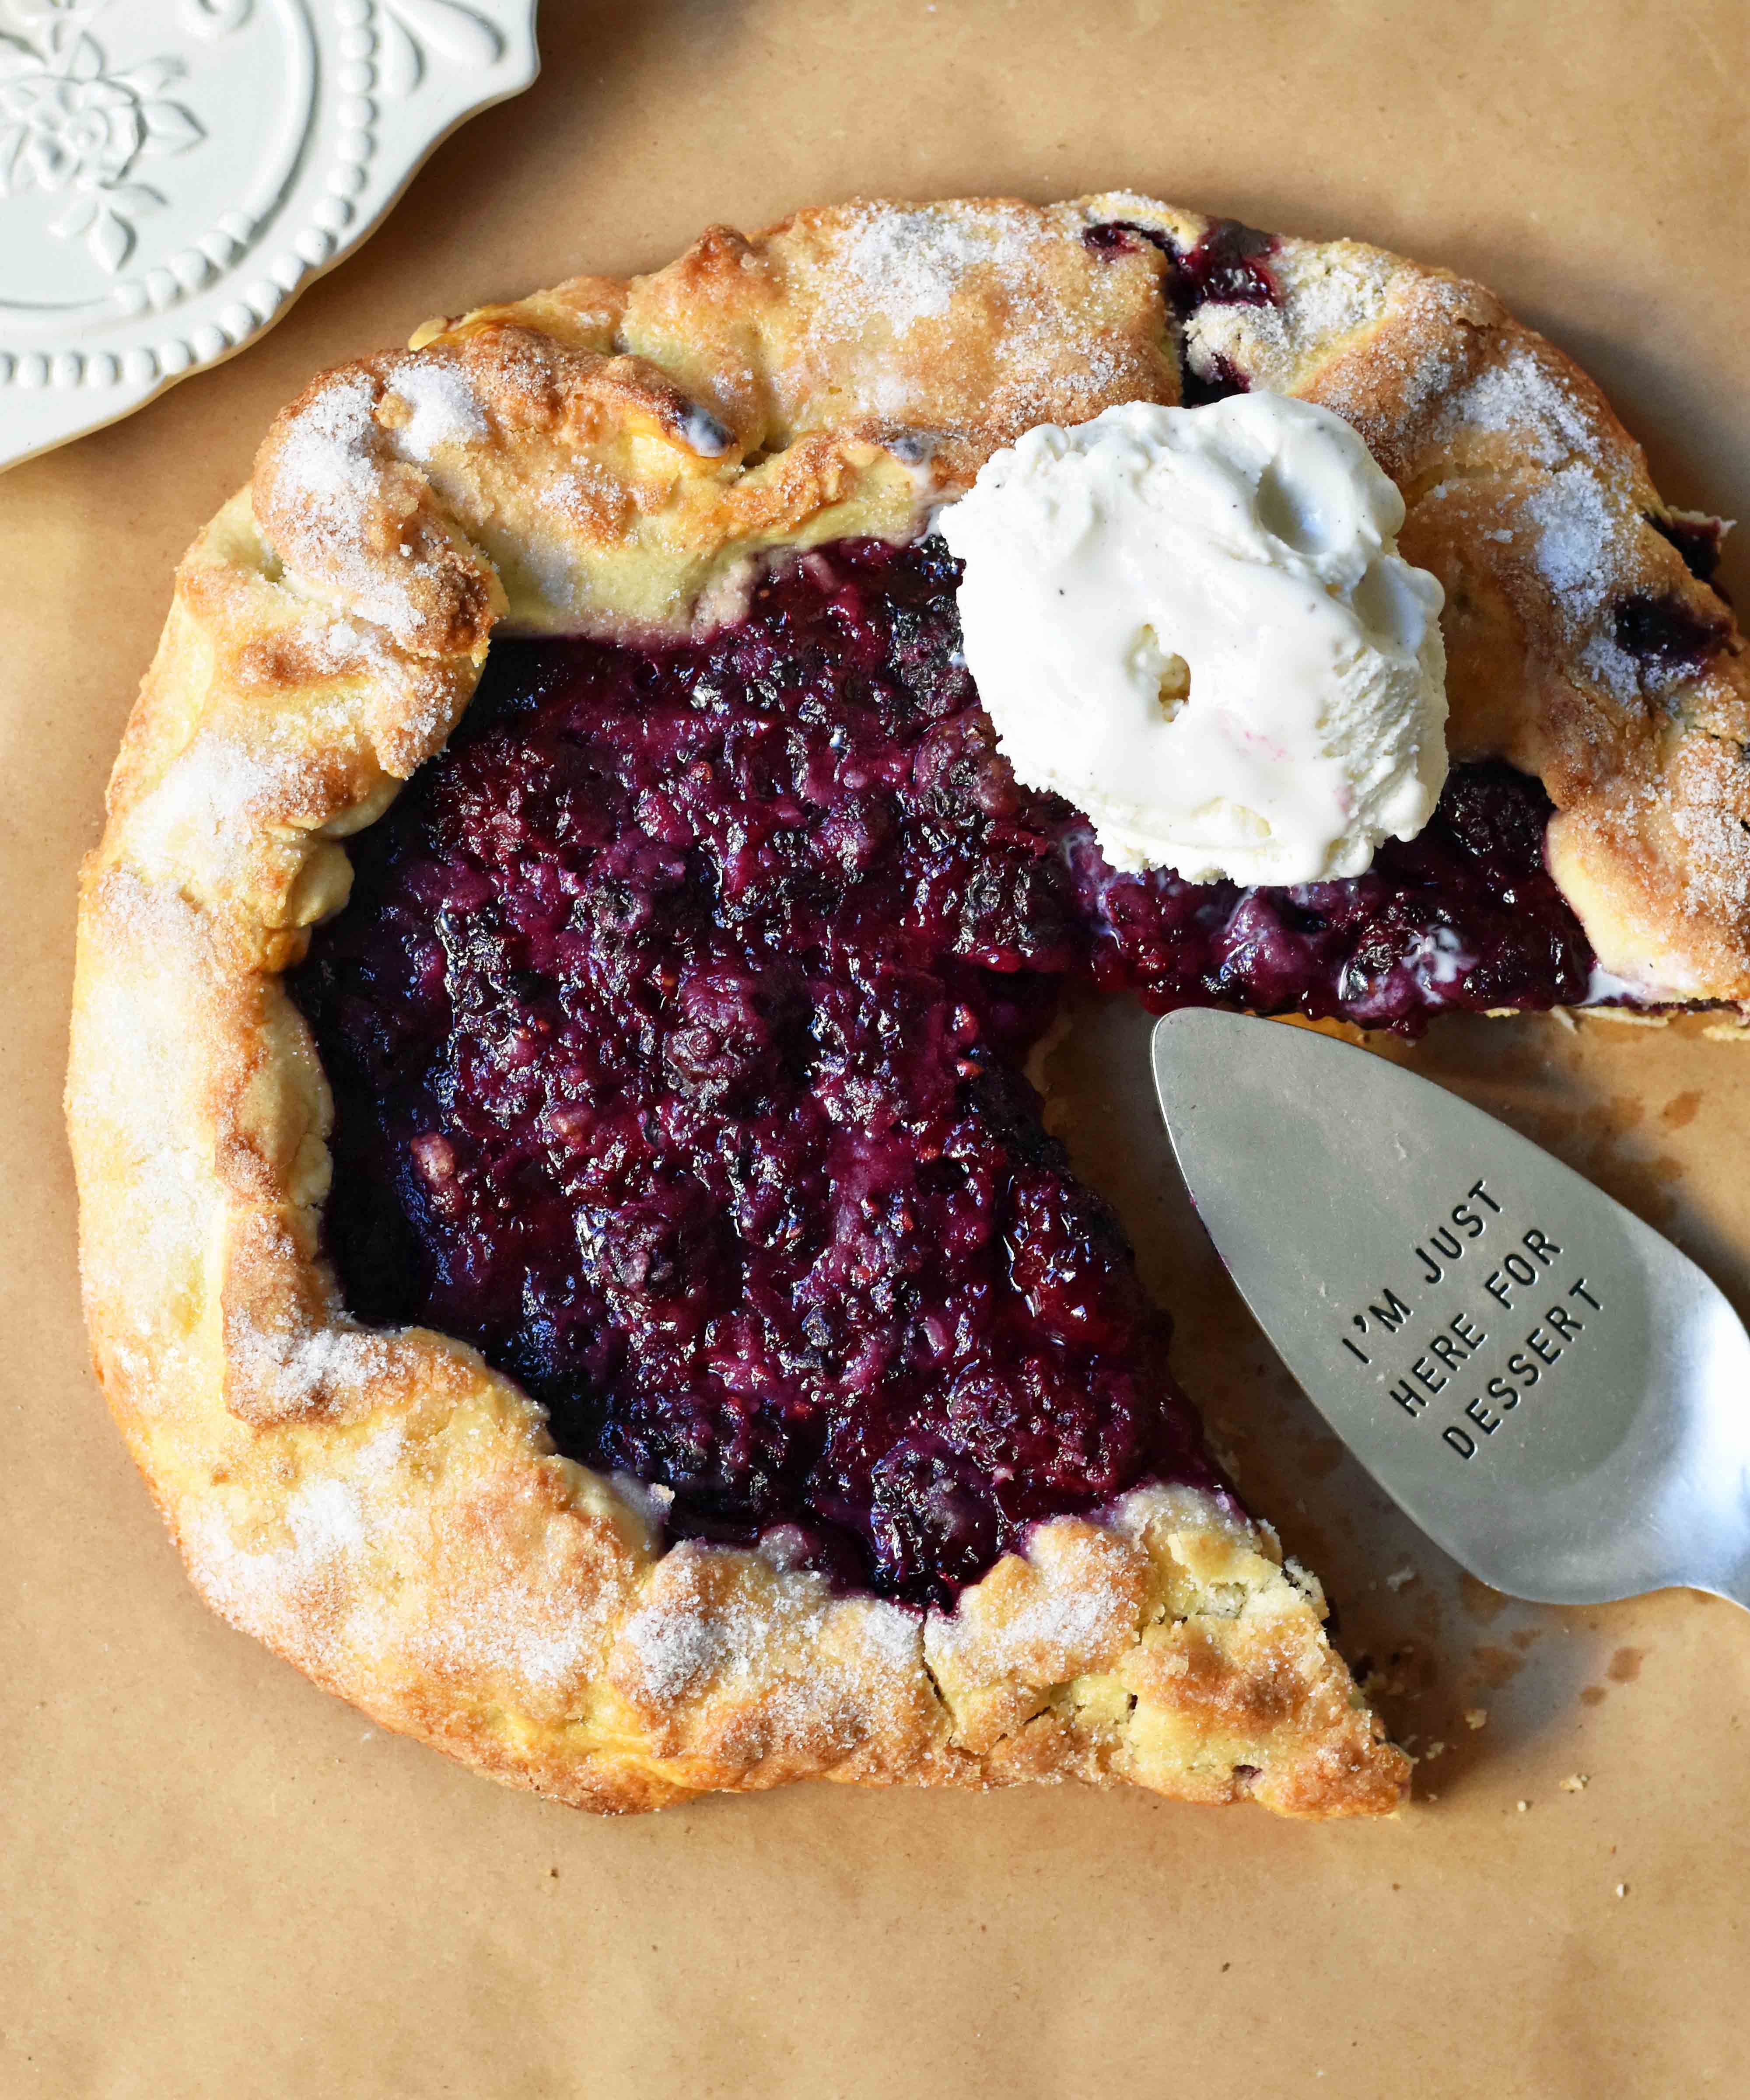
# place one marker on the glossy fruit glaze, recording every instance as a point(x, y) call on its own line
point(676, 1028)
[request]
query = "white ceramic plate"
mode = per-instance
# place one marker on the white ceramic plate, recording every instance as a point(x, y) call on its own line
point(174, 172)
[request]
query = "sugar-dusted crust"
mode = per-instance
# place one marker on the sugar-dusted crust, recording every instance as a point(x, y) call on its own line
point(388, 1512)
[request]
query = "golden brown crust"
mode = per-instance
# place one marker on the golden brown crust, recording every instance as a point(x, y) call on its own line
point(389, 1513)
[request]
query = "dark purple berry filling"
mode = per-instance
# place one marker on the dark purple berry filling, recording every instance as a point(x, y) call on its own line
point(675, 1028)
point(1464, 916)
point(1226, 268)
point(1662, 632)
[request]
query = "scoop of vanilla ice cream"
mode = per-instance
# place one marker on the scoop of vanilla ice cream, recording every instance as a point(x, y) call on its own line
point(1194, 623)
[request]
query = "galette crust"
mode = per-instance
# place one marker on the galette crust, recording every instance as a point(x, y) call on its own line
point(388, 1512)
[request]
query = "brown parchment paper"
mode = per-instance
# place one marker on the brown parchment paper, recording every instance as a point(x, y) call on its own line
point(217, 1881)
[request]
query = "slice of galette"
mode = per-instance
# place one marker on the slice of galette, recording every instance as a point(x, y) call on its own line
point(566, 1233)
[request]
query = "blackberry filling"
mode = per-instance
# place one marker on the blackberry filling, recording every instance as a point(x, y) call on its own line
point(1667, 635)
point(676, 1025)
point(1228, 267)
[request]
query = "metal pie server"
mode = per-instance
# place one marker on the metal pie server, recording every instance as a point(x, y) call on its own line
point(1555, 1393)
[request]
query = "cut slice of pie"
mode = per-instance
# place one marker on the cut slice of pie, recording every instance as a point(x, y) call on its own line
point(572, 1244)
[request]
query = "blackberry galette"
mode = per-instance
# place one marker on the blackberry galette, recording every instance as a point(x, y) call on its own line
point(568, 1233)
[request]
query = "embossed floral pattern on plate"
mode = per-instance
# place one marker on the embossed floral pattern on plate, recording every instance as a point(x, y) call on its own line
point(173, 172)
point(65, 121)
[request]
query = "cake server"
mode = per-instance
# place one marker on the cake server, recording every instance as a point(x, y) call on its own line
point(1557, 1395)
